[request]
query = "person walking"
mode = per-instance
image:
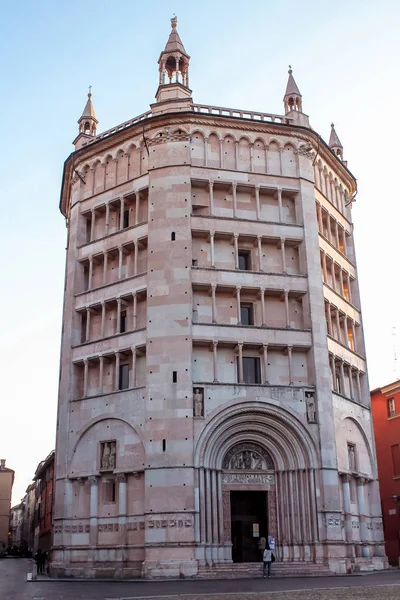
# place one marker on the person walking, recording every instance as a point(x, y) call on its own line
point(267, 561)
point(39, 560)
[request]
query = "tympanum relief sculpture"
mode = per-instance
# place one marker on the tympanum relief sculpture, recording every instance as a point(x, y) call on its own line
point(108, 456)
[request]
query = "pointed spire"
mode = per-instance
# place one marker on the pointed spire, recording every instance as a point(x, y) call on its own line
point(88, 111)
point(87, 122)
point(292, 99)
point(335, 144)
point(174, 43)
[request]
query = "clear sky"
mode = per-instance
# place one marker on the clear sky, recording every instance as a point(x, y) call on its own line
point(345, 57)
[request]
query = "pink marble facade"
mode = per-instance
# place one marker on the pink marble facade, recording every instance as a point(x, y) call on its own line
point(211, 301)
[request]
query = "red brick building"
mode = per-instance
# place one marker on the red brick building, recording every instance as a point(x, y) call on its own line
point(44, 477)
point(386, 414)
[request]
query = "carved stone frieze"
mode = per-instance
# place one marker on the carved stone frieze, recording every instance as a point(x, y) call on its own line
point(247, 456)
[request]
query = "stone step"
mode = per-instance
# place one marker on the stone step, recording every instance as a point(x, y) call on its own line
point(248, 570)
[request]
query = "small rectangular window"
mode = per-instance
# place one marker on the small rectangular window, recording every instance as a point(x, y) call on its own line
point(391, 407)
point(164, 445)
point(173, 236)
point(174, 376)
point(396, 460)
point(123, 321)
point(194, 263)
point(109, 492)
point(126, 218)
point(123, 377)
point(246, 314)
point(244, 260)
point(251, 369)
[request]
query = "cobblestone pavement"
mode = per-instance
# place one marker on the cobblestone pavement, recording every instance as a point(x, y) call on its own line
point(379, 586)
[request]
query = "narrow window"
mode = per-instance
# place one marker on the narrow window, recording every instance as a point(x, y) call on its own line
point(246, 314)
point(123, 377)
point(396, 460)
point(126, 218)
point(338, 383)
point(251, 369)
point(88, 229)
point(109, 492)
point(174, 376)
point(86, 277)
point(164, 445)
point(173, 236)
point(122, 323)
point(244, 260)
point(391, 407)
point(83, 327)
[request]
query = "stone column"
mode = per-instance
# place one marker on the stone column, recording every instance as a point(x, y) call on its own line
point(134, 312)
point(120, 260)
point(251, 158)
point(135, 261)
point(341, 281)
point(206, 152)
point(333, 274)
point(202, 503)
point(220, 517)
point(349, 286)
point(209, 516)
point(346, 333)
point(90, 273)
point(237, 156)
point(121, 214)
point(358, 385)
point(214, 303)
point(265, 360)
point(101, 371)
point(344, 242)
point(212, 251)
point(103, 318)
point(215, 360)
point(333, 369)
point(260, 255)
point(221, 154)
point(122, 508)
point(137, 207)
point(92, 224)
point(351, 382)
point(133, 370)
point(240, 362)
point(287, 315)
point(320, 222)
point(87, 333)
point(119, 301)
point(337, 234)
point(211, 192)
point(353, 331)
point(214, 514)
point(94, 503)
point(239, 316)
point(347, 507)
point(280, 205)
point(338, 324)
point(330, 326)
point(262, 298)
point(324, 268)
point(257, 188)
point(342, 378)
point(328, 222)
point(117, 360)
point(234, 200)
point(105, 266)
point(364, 535)
point(290, 363)
point(85, 376)
point(283, 253)
point(236, 249)
point(107, 223)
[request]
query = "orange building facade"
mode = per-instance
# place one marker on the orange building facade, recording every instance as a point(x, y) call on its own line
point(386, 415)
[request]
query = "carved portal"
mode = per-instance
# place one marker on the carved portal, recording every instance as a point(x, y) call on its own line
point(107, 456)
point(247, 457)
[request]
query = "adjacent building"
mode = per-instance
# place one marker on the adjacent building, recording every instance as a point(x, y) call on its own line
point(6, 483)
point(213, 383)
point(386, 416)
point(44, 478)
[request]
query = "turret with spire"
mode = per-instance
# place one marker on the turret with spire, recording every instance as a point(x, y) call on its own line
point(87, 123)
point(173, 92)
point(293, 102)
point(335, 144)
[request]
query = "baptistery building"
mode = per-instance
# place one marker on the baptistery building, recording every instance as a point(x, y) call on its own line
point(213, 383)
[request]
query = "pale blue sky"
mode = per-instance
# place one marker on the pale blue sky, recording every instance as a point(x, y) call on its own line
point(345, 58)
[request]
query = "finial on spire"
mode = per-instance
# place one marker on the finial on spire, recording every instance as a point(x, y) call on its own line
point(90, 91)
point(290, 70)
point(174, 21)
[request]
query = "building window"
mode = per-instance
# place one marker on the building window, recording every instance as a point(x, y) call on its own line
point(391, 407)
point(396, 460)
point(244, 260)
point(338, 382)
point(122, 323)
point(351, 451)
point(123, 377)
point(126, 218)
point(109, 490)
point(83, 327)
point(251, 369)
point(246, 314)
point(88, 230)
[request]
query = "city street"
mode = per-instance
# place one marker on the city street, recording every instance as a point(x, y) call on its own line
point(382, 586)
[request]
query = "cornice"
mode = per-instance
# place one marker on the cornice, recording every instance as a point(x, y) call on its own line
point(139, 129)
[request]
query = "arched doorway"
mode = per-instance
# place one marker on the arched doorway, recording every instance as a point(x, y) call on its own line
point(248, 494)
